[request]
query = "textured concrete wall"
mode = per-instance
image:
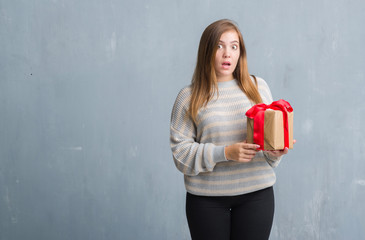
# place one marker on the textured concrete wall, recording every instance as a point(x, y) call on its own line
point(86, 90)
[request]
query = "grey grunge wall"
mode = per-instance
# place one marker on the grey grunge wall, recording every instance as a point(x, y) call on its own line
point(86, 91)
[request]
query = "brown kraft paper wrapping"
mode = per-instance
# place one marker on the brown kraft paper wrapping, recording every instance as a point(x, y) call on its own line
point(273, 130)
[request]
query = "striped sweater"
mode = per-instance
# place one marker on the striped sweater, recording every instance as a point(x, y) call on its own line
point(198, 148)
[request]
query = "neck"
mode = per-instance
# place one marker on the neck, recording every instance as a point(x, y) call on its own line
point(225, 78)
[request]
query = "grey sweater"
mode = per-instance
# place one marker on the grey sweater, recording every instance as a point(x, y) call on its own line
point(198, 149)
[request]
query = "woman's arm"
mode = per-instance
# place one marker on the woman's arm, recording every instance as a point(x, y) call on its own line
point(190, 156)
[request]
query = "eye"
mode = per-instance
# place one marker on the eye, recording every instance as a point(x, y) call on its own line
point(220, 46)
point(234, 47)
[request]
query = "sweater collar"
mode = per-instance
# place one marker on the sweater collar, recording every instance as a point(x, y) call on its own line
point(230, 83)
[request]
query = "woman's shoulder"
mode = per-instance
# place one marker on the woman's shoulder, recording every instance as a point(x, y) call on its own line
point(260, 81)
point(184, 92)
point(183, 97)
point(264, 90)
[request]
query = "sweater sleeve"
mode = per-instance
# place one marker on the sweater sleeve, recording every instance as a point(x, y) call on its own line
point(267, 99)
point(190, 156)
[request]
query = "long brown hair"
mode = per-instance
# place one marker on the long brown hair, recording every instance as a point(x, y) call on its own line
point(204, 81)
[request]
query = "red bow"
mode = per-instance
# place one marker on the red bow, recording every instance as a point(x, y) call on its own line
point(257, 113)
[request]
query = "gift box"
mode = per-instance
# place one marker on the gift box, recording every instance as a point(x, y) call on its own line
point(271, 126)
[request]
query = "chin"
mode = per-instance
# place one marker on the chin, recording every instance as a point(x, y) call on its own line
point(225, 74)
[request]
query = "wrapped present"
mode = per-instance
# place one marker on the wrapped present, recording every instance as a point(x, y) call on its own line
point(270, 126)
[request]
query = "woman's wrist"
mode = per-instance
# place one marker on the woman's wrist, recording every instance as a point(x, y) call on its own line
point(227, 152)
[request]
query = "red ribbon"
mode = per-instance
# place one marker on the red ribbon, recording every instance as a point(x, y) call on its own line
point(257, 113)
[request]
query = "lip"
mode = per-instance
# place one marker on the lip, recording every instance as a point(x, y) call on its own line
point(226, 65)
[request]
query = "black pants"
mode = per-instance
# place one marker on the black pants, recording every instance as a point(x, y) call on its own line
point(245, 217)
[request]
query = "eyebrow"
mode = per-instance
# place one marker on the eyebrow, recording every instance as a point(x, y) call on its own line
point(230, 42)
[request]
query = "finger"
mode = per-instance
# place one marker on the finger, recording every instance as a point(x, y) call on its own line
point(285, 151)
point(278, 153)
point(281, 152)
point(250, 146)
point(274, 153)
point(294, 141)
point(244, 159)
point(243, 155)
point(249, 152)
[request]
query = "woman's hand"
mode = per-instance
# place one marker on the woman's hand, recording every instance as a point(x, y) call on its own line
point(241, 152)
point(279, 153)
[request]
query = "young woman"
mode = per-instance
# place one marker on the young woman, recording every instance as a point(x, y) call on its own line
point(228, 182)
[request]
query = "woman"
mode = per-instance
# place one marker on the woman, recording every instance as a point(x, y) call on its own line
point(228, 182)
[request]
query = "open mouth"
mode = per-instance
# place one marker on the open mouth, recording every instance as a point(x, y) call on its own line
point(226, 65)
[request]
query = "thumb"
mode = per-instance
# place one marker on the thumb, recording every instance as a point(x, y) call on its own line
point(286, 150)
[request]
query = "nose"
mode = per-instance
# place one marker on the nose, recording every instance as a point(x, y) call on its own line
point(226, 53)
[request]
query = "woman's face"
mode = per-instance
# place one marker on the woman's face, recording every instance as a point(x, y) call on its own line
point(227, 56)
